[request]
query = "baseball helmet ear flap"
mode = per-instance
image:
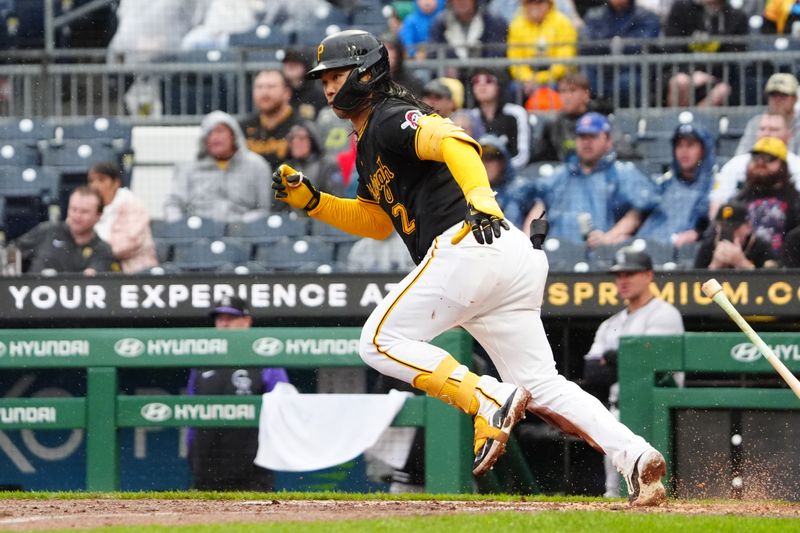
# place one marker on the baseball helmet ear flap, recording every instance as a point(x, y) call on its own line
point(361, 51)
point(363, 79)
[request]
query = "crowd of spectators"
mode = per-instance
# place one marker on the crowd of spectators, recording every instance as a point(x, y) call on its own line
point(562, 151)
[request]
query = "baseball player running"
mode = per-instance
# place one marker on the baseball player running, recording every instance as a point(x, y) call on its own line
point(418, 175)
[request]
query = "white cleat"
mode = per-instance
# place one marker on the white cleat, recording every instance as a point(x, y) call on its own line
point(645, 488)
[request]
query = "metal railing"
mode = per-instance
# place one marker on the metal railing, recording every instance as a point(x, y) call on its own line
point(79, 83)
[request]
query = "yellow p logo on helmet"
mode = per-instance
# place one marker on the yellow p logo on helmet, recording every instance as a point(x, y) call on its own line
point(320, 49)
point(727, 212)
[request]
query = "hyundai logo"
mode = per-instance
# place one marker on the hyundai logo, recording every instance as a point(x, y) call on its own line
point(129, 347)
point(745, 352)
point(156, 412)
point(268, 346)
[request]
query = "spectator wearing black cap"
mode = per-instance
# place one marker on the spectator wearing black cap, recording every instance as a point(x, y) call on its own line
point(222, 458)
point(681, 215)
point(307, 98)
point(732, 243)
point(643, 314)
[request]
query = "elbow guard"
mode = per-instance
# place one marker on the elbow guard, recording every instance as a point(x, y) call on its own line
point(432, 131)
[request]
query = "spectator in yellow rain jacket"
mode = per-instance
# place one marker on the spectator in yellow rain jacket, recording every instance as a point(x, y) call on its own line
point(539, 30)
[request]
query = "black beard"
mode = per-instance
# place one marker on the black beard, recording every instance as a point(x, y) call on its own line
point(765, 182)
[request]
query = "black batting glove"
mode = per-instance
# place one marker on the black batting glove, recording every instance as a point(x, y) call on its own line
point(485, 227)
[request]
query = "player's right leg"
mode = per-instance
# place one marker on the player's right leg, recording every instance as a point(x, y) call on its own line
point(513, 335)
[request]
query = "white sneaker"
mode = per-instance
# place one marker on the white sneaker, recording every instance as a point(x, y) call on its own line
point(644, 484)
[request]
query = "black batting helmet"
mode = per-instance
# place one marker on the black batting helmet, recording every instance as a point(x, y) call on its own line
point(352, 48)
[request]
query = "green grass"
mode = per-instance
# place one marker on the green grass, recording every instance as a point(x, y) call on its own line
point(506, 522)
point(344, 496)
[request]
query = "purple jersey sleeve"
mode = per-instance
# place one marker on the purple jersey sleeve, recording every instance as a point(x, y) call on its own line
point(273, 376)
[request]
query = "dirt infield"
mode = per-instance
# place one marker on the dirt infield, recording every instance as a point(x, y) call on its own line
point(17, 515)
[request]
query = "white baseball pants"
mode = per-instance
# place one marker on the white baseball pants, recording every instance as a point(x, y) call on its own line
point(495, 292)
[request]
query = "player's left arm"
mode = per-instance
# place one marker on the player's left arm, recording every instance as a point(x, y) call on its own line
point(438, 139)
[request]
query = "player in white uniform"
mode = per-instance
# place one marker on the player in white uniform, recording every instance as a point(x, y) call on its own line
point(644, 314)
point(419, 174)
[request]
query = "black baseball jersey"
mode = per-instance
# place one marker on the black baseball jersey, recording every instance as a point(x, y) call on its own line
point(421, 197)
point(50, 245)
point(271, 144)
point(222, 458)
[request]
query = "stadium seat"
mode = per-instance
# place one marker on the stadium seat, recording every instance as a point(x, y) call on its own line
point(661, 253)
point(76, 156)
point(19, 153)
point(199, 93)
point(653, 166)
point(249, 267)
point(163, 250)
point(566, 256)
point(601, 258)
point(656, 146)
point(26, 129)
point(296, 254)
point(31, 196)
point(269, 229)
point(97, 128)
point(539, 168)
point(261, 37)
point(72, 159)
point(3, 238)
point(311, 33)
point(328, 233)
point(187, 230)
point(41, 182)
point(684, 256)
point(207, 254)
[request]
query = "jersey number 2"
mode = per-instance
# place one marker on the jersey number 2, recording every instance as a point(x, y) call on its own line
point(399, 210)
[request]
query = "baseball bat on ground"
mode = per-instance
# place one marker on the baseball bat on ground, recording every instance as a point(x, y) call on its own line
point(713, 290)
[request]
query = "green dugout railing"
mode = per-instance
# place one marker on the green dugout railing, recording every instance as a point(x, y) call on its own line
point(448, 433)
point(646, 407)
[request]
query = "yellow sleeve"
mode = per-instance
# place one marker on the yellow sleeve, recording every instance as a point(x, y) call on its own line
point(777, 11)
point(467, 168)
point(432, 131)
point(465, 164)
point(563, 47)
point(519, 48)
point(355, 216)
point(567, 36)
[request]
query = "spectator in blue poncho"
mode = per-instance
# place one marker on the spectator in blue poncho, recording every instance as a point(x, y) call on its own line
point(608, 195)
point(682, 213)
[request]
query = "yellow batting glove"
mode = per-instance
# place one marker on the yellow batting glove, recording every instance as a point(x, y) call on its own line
point(294, 188)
